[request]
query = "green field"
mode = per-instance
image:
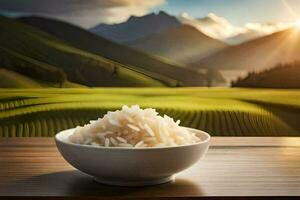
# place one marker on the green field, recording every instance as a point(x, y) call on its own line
point(220, 111)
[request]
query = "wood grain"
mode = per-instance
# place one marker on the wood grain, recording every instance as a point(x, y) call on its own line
point(243, 168)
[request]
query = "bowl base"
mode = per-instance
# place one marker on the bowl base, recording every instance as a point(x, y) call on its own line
point(135, 183)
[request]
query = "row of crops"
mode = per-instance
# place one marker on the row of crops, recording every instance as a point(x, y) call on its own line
point(221, 112)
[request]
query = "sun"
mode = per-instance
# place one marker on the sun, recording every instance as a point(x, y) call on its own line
point(297, 23)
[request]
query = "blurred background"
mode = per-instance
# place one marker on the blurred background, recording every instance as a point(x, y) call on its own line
point(230, 67)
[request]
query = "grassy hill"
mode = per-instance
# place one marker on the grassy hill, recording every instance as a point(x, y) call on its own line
point(281, 76)
point(10, 79)
point(183, 44)
point(256, 55)
point(41, 56)
point(219, 111)
point(87, 41)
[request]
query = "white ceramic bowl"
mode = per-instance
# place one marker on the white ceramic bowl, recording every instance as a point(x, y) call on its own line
point(127, 166)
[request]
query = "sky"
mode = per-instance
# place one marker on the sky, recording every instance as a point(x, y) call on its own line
point(221, 19)
point(89, 12)
point(238, 12)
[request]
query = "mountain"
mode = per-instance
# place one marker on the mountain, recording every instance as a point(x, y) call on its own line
point(255, 55)
point(31, 52)
point(243, 37)
point(168, 73)
point(136, 27)
point(183, 44)
point(273, 78)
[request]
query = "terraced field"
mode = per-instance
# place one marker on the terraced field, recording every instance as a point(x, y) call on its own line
point(220, 111)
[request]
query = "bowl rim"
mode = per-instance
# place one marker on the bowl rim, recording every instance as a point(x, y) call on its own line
point(58, 140)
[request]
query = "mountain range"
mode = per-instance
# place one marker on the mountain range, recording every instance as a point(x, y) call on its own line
point(53, 51)
point(194, 48)
point(136, 28)
point(172, 74)
point(163, 36)
point(255, 55)
point(162, 52)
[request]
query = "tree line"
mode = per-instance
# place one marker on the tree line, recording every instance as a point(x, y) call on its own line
point(284, 75)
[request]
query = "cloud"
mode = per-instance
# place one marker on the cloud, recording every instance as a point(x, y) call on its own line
point(220, 28)
point(80, 12)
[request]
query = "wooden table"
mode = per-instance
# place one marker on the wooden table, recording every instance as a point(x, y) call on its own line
point(242, 168)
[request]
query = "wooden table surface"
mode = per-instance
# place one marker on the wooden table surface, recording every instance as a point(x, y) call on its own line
point(243, 168)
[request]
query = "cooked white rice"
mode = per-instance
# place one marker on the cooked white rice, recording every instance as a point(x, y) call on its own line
point(133, 127)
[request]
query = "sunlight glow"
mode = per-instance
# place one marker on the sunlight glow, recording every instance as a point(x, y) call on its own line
point(297, 24)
